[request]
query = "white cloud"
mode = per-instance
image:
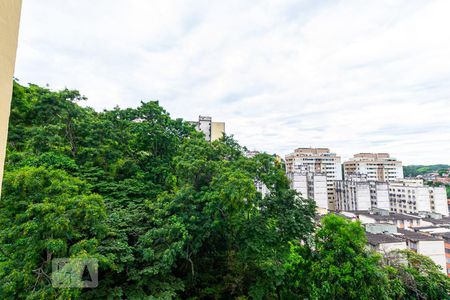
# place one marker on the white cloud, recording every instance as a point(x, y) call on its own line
point(351, 75)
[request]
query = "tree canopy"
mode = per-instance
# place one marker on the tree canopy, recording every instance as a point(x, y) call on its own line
point(167, 214)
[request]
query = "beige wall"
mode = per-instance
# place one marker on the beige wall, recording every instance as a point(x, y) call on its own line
point(9, 28)
point(217, 130)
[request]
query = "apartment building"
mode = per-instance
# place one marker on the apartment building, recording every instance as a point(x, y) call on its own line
point(353, 194)
point(317, 161)
point(409, 196)
point(412, 196)
point(310, 185)
point(212, 130)
point(376, 166)
point(379, 195)
point(261, 187)
point(357, 193)
point(9, 29)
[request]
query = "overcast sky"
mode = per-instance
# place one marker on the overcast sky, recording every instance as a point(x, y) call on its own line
point(354, 76)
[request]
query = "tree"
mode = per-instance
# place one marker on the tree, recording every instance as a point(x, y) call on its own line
point(418, 275)
point(336, 265)
point(167, 214)
point(46, 214)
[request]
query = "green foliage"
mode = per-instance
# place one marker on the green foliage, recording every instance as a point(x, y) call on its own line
point(337, 265)
point(181, 216)
point(418, 275)
point(414, 170)
point(167, 214)
point(46, 214)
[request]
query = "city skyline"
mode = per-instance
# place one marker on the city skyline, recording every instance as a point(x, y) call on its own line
point(353, 77)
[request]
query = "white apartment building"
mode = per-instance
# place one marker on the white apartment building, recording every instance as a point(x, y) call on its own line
point(357, 193)
point(412, 196)
point(379, 195)
point(317, 161)
point(262, 188)
point(376, 166)
point(408, 196)
point(310, 185)
point(353, 194)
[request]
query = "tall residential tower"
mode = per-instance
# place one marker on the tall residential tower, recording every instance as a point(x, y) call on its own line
point(376, 166)
point(317, 161)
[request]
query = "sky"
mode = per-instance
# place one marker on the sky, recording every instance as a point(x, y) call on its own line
point(353, 76)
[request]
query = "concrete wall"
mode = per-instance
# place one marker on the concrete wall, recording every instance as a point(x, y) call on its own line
point(9, 28)
point(299, 183)
point(381, 190)
point(384, 248)
point(423, 199)
point(362, 193)
point(320, 193)
point(434, 250)
point(440, 200)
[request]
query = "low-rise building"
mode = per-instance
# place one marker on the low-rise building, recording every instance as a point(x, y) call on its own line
point(427, 245)
point(383, 243)
point(446, 237)
point(425, 233)
point(380, 216)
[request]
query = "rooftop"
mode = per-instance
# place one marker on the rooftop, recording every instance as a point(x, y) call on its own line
point(444, 221)
point(417, 236)
point(376, 239)
point(391, 216)
point(445, 235)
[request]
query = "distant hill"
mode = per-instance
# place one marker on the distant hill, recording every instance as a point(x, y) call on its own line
point(414, 170)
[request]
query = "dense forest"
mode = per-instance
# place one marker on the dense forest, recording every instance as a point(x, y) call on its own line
point(169, 215)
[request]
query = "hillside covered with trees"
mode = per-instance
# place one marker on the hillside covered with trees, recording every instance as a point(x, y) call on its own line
point(169, 215)
point(415, 170)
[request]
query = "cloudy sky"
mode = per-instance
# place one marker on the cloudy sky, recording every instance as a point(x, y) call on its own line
point(354, 76)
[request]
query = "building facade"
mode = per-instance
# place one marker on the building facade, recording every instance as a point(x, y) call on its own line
point(412, 196)
point(409, 196)
point(376, 166)
point(317, 161)
point(357, 193)
point(9, 29)
point(310, 185)
point(353, 194)
point(212, 130)
point(379, 195)
point(427, 245)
